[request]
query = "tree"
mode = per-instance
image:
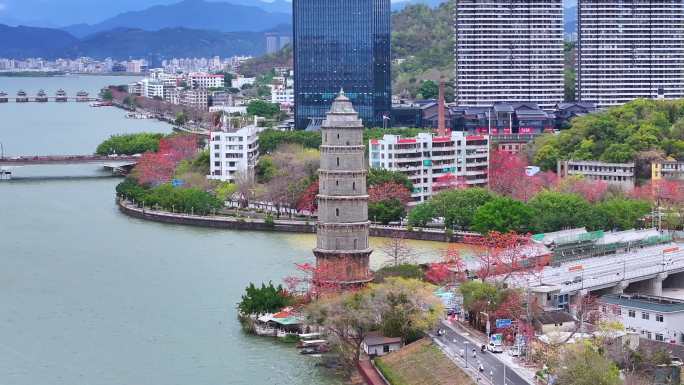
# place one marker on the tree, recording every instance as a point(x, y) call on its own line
point(388, 191)
point(623, 214)
point(308, 201)
point(378, 176)
point(225, 190)
point(584, 365)
point(422, 214)
point(263, 300)
point(397, 249)
point(107, 95)
point(429, 90)
point(591, 190)
point(265, 169)
point(398, 307)
point(181, 118)
point(130, 144)
point(348, 319)
point(503, 215)
point(458, 207)
point(263, 109)
point(386, 211)
point(555, 211)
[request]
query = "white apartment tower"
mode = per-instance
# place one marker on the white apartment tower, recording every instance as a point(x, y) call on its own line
point(629, 49)
point(509, 51)
point(233, 153)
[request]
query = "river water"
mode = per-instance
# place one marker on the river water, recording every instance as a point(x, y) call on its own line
point(90, 296)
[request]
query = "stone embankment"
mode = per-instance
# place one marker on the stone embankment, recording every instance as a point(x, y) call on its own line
point(290, 226)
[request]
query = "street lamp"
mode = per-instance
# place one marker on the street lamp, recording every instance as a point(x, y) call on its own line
point(465, 344)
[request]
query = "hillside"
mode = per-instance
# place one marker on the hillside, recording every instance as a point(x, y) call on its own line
point(20, 42)
point(170, 42)
point(218, 16)
point(423, 38)
point(638, 130)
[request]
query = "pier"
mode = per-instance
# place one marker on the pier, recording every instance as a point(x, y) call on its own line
point(42, 97)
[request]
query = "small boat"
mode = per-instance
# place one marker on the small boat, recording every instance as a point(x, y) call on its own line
point(311, 343)
point(5, 174)
point(41, 96)
point(100, 104)
point(60, 95)
point(22, 97)
point(3, 97)
point(82, 96)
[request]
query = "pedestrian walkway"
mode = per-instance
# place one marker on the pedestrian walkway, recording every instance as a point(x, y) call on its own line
point(478, 338)
point(369, 374)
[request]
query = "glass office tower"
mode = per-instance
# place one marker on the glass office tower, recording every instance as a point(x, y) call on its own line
point(341, 45)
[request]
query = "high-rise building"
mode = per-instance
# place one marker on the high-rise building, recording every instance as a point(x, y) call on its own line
point(509, 51)
point(629, 49)
point(341, 44)
point(271, 43)
point(342, 250)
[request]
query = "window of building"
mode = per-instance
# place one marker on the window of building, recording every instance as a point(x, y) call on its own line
point(649, 335)
point(354, 186)
point(355, 243)
point(385, 348)
point(337, 212)
point(631, 314)
point(659, 318)
point(338, 161)
point(659, 337)
point(217, 164)
point(645, 315)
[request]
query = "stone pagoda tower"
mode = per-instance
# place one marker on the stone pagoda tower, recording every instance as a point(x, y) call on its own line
point(342, 250)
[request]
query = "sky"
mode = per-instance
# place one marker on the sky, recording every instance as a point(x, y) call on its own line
point(56, 13)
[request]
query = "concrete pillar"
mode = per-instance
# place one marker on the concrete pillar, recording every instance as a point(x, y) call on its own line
point(619, 288)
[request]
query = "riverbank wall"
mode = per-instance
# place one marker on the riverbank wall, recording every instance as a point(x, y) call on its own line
point(288, 226)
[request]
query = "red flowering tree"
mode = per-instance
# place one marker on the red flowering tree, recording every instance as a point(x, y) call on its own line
point(153, 169)
point(508, 176)
point(592, 191)
point(508, 254)
point(308, 201)
point(156, 168)
point(451, 268)
point(388, 191)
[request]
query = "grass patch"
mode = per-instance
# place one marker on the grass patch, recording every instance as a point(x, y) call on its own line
point(421, 363)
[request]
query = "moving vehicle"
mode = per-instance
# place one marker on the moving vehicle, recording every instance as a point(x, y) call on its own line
point(495, 343)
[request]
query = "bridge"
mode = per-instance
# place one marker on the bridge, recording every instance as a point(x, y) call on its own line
point(67, 159)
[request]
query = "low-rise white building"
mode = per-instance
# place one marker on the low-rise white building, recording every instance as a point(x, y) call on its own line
point(654, 318)
point(194, 98)
point(233, 152)
point(375, 344)
point(434, 163)
point(617, 174)
point(241, 81)
point(152, 88)
point(205, 80)
point(282, 96)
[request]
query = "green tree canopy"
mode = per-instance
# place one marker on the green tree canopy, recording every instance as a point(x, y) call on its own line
point(622, 214)
point(264, 299)
point(269, 140)
point(583, 364)
point(458, 207)
point(429, 90)
point(386, 211)
point(555, 211)
point(503, 214)
point(422, 214)
point(378, 176)
point(129, 144)
point(263, 109)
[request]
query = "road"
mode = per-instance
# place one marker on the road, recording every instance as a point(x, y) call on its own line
point(493, 366)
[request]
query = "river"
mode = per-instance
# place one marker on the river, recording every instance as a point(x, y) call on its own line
point(90, 296)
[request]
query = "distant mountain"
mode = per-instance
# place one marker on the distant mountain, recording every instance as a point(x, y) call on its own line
point(20, 42)
point(122, 44)
point(170, 42)
point(193, 14)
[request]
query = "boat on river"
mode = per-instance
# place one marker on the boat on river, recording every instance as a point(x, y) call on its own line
point(3, 97)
